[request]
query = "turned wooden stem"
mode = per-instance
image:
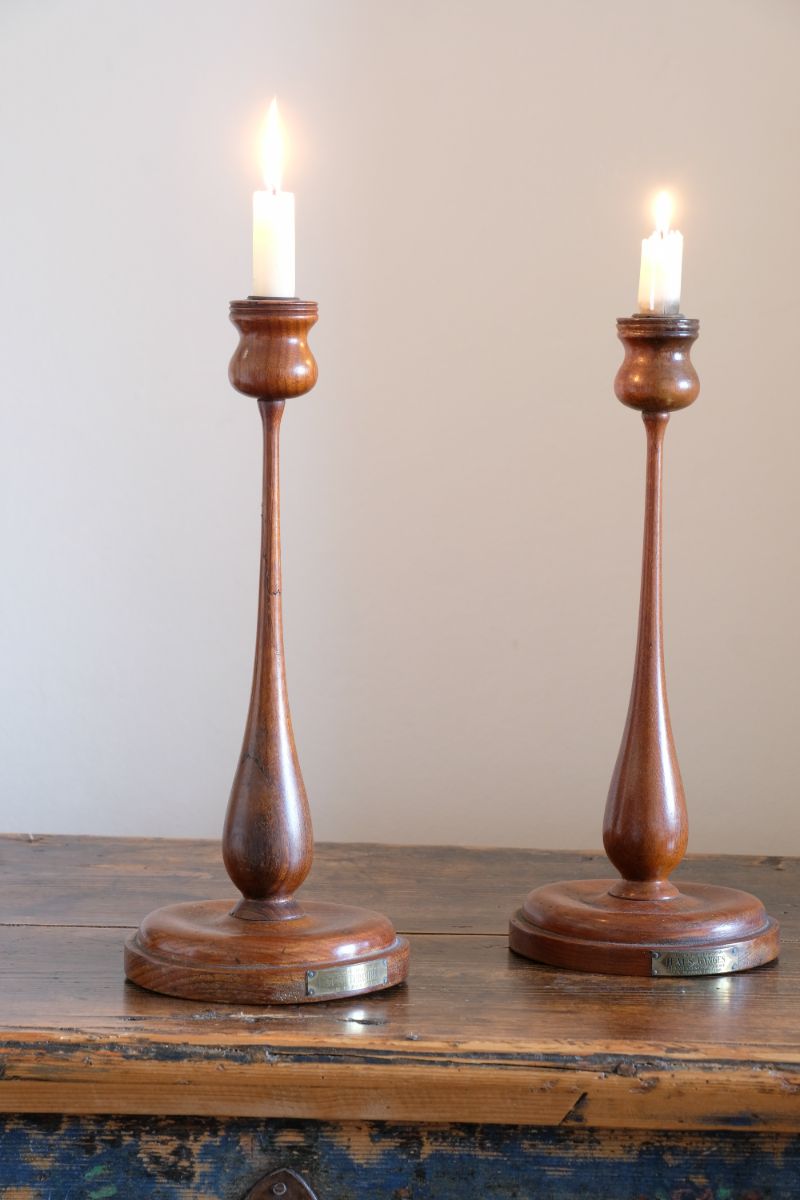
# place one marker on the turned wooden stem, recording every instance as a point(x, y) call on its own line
point(267, 841)
point(641, 924)
point(267, 949)
point(646, 828)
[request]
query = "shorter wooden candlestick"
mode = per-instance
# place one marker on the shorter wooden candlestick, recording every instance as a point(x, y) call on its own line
point(641, 923)
point(268, 947)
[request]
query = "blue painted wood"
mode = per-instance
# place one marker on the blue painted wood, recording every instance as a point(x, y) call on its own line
point(55, 1158)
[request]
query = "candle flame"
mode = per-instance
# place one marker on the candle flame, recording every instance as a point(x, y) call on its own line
point(272, 149)
point(663, 207)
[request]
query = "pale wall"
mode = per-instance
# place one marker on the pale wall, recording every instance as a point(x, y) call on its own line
point(462, 493)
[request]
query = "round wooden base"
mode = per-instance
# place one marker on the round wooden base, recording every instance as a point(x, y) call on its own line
point(200, 952)
point(704, 930)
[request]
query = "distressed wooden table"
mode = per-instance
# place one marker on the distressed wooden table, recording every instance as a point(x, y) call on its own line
point(486, 1076)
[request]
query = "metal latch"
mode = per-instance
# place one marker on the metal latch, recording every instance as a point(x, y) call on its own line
point(281, 1185)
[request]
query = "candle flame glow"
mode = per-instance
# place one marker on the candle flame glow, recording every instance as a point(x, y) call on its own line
point(272, 149)
point(663, 207)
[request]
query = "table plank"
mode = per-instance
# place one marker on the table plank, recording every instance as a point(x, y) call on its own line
point(476, 1035)
point(60, 880)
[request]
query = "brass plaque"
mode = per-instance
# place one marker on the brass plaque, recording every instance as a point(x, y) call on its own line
point(695, 962)
point(355, 977)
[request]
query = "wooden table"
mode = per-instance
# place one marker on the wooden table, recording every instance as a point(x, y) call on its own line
point(485, 1076)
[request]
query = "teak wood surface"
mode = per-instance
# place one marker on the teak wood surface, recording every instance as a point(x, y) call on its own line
point(477, 1034)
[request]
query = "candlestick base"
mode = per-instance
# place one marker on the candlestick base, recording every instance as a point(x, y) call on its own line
point(702, 930)
point(200, 951)
point(640, 923)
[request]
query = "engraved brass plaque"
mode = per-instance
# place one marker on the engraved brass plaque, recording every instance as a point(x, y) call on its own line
point(355, 977)
point(720, 961)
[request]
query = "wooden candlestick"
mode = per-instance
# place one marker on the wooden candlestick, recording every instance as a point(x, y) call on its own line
point(268, 947)
point(642, 924)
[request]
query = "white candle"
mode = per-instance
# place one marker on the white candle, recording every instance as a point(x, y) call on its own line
point(273, 218)
point(662, 257)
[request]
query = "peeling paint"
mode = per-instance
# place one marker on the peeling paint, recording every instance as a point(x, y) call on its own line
point(55, 1158)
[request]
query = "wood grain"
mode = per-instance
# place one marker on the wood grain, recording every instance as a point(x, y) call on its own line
point(267, 841)
point(646, 829)
point(67, 880)
point(466, 996)
point(656, 374)
point(279, 366)
point(478, 1034)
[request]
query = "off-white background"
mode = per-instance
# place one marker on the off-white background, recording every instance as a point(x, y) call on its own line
point(462, 492)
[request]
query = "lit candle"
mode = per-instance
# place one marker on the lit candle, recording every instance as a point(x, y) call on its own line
point(273, 218)
point(662, 256)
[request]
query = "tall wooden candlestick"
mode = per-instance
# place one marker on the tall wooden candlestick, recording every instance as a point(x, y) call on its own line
point(268, 947)
point(642, 924)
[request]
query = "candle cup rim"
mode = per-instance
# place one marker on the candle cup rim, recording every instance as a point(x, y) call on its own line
point(284, 306)
point(658, 325)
